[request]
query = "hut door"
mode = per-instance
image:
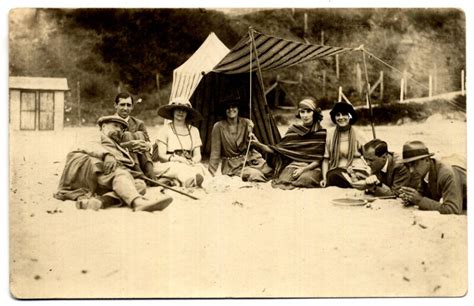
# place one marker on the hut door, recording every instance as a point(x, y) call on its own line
point(46, 111)
point(28, 110)
point(37, 110)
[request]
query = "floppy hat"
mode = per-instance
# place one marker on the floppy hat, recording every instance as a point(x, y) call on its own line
point(344, 108)
point(414, 150)
point(167, 111)
point(112, 118)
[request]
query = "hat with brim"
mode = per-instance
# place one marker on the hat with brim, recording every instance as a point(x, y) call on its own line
point(343, 108)
point(167, 111)
point(112, 118)
point(228, 103)
point(414, 150)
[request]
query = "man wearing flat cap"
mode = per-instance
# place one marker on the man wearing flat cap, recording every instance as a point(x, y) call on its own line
point(442, 187)
point(101, 174)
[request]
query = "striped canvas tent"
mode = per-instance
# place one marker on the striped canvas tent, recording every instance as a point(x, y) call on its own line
point(187, 76)
point(237, 75)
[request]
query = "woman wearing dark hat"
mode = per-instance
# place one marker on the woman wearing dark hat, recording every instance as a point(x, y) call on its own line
point(229, 143)
point(297, 158)
point(179, 145)
point(342, 159)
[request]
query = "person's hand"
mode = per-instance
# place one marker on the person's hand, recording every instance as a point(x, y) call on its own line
point(140, 146)
point(180, 159)
point(323, 183)
point(110, 163)
point(410, 195)
point(253, 138)
point(297, 173)
point(360, 185)
point(372, 180)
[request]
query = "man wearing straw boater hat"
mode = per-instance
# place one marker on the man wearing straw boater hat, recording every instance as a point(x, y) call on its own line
point(442, 187)
point(101, 174)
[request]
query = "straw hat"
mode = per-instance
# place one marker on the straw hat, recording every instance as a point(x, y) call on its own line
point(414, 150)
point(112, 118)
point(167, 111)
point(344, 108)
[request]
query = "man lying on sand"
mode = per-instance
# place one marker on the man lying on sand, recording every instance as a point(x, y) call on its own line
point(442, 187)
point(387, 173)
point(106, 169)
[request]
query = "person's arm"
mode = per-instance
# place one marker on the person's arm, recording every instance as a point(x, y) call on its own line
point(451, 193)
point(215, 156)
point(260, 145)
point(197, 155)
point(401, 177)
point(142, 128)
point(297, 172)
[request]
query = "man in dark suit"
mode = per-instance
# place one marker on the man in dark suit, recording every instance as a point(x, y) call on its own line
point(135, 138)
point(441, 187)
point(102, 173)
point(387, 173)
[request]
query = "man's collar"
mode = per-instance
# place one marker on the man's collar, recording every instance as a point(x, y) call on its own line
point(126, 119)
point(427, 177)
point(385, 167)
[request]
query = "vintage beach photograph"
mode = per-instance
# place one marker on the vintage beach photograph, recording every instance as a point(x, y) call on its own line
point(237, 153)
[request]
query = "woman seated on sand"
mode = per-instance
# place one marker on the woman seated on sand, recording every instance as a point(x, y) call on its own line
point(297, 158)
point(179, 145)
point(342, 159)
point(230, 138)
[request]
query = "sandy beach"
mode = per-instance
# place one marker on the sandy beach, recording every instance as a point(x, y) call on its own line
point(238, 240)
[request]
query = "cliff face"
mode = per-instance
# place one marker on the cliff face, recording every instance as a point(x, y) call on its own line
point(107, 49)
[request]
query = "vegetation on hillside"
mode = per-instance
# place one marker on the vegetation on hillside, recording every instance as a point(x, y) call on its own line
point(101, 51)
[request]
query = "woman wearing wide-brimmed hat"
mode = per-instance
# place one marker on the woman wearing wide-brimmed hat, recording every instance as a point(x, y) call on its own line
point(229, 142)
point(297, 158)
point(343, 163)
point(179, 145)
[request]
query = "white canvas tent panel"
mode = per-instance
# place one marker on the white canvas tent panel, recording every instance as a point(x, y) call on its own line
point(187, 76)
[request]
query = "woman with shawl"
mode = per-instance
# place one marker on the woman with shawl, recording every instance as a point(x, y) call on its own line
point(343, 164)
point(298, 157)
point(179, 145)
point(229, 144)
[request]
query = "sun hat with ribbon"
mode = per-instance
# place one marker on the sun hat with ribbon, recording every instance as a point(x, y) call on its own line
point(167, 111)
point(414, 150)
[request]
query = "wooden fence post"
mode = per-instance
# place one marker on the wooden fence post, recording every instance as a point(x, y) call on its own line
point(430, 90)
point(79, 103)
point(339, 98)
point(401, 89)
point(324, 83)
point(381, 86)
point(359, 79)
point(405, 82)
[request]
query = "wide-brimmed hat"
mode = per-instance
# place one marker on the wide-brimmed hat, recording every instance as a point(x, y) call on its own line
point(343, 108)
point(414, 150)
point(112, 118)
point(167, 111)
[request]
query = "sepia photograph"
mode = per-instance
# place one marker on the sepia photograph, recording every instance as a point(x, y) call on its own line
point(307, 152)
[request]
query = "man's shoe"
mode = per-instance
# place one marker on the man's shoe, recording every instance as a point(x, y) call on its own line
point(144, 204)
point(89, 203)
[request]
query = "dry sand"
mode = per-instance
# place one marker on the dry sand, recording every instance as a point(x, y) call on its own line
point(238, 240)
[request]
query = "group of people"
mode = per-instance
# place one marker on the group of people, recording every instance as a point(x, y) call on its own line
point(115, 170)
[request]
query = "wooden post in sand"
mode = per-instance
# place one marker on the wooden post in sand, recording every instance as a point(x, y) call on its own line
point(359, 79)
point(462, 83)
point(339, 98)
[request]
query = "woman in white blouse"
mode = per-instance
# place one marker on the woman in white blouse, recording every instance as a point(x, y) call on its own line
point(179, 145)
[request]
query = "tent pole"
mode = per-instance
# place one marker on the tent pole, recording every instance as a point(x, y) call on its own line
point(250, 100)
point(367, 95)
